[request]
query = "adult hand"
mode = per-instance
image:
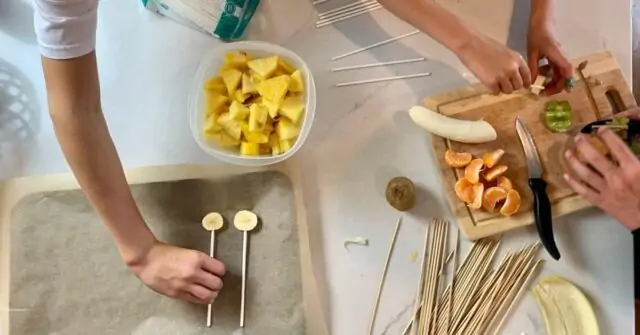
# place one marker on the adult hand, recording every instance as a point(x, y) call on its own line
point(181, 273)
point(542, 43)
point(610, 186)
point(496, 66)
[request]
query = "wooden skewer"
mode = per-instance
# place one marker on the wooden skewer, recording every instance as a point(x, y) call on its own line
point(244, 221)
point(212, 222)
point(375, 45)
point(453, 277)
point(343, 8)
point(212, 245)
point(365, 66)
point(335, 16)
point(317, 2)
point(418, 302)
point(378, 80)
point(384, 275)
point(350, 16)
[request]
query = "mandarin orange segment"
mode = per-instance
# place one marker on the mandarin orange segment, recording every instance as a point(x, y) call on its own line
point(478, 192)
point(491, 197)
point(494, 172)
point(464, 190)
point(492, 158)
point(504, 183)
point(457, 159)
point(511, 204)
point(472, 171)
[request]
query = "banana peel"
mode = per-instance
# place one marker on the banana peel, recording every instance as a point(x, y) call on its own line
point(566, 310)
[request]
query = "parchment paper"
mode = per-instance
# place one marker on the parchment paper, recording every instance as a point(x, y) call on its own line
point(67, 276)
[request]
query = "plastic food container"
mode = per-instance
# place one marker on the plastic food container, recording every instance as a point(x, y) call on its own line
point(209, 67)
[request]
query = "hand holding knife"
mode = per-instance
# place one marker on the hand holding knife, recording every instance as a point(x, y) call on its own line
point(541, 203)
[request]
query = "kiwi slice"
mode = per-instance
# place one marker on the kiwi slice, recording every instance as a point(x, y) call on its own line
point(401, 193)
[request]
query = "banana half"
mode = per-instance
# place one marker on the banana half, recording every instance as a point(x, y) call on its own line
point(566, 310)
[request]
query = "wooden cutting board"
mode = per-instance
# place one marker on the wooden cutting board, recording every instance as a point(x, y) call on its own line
point(601, 90)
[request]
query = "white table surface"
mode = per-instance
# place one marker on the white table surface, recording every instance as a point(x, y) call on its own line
point(361, 137)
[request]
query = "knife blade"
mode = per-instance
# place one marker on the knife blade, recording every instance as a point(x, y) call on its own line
point(541, 202)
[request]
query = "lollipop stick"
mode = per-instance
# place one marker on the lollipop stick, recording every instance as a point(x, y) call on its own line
point(244, 276)
point(212, 245)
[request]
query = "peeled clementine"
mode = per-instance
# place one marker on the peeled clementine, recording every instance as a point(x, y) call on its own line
point(472, 171)
point(495, 172)
point(464, 190)
point(504, 183)
point(491, 197)
point(477, 191)
point(511, 204)
point(492, 158)
point(457, 159)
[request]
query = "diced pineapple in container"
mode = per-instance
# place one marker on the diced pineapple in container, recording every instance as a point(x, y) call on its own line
point(254, 136)
point(226, 141)
point(274, 89)
point(248, 86)
point(274, 143)
point(249, 149)
point(257, 117)
point(285, 67)
point(297, 84)
point(211, 125)
point(238, 111)
point(272, 107)
point(286, 145)
point(232, 78)
point(264, 68)
point(215, 103)
point(286, 130)
point(216, 84)
point(231, 126)
point(293, 108)
point(237, 59)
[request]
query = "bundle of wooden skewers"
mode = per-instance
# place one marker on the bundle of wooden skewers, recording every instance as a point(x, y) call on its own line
point(345, 12)
point(478, 298)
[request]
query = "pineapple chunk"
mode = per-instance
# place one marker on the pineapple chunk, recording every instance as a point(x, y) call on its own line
point(268, 127)
point(249, 149)
point(232, 78)
point(285, 67)
point(237, 59)
point(215, 102)
point(286, 145)
point(256, 78)
point(296, 85)
point(274, 143)
point(226, 141)
point(272, 107)
point(238, 111)
point(292, 108)
point(248, 86)
point(231, 126)
point(274, 89)
point(216, 84)
point(211, 125)
point(286, 130)
point(264, 67)
point(256, 137)
point(265, 149)
point(257, 117)
point(241, 97)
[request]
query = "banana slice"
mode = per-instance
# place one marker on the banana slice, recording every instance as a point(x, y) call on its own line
point(245, 220)
point(212, 221)
point(565, 308)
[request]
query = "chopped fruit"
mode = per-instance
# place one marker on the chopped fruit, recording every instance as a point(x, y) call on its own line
point(286, 145)
point(248, 86)
point(237, 59)
point(255, 136)
point(274, 143)
point(472, 171)
point(477, 192)
point(265, 149)
point(274, 89)
point(257, 117)
point(272, 107)
point(214, 103)
point(231, 126)
point(216, 84)
point(464, 190)
point(285, 66)
point(256, 78)
point(240, 97)
point(264, 67)
point(297, 85)
point(232, 78)
point(226, 141)
point(249, 149)
point(512, 204)
point(286, 130)
point(494, 172)
point(238, 111)
point(492, 158)
point(292, 108)
point(457, 159)
point(211, 125)
point(504, 183)
point(491, 197)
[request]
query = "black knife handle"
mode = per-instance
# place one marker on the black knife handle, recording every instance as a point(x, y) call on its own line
point(542, 213)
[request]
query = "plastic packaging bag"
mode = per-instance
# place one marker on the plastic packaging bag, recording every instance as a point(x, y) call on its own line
point(224, 19)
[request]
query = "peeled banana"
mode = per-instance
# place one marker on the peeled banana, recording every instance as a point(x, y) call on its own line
point(212, 221)
point(565, 308)
point(245, 220)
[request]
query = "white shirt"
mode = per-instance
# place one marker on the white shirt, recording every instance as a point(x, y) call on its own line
point(66, 28)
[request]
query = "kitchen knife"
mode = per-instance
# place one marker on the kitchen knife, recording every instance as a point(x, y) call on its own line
point(541, 203)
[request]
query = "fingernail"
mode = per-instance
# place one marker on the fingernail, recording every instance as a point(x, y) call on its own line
point(578, 138)
point(567, 154)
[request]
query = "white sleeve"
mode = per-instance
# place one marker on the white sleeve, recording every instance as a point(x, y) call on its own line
point(66, 28)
